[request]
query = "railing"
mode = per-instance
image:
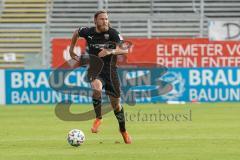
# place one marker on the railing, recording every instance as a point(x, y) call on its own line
point(199, 14)
point(161, 25)
point(46, 47)
point(46, 38)
point(150, 24)
point(49, 7)
point(200, 11)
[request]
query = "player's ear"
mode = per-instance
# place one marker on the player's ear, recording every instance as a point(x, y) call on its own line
point(95, 21)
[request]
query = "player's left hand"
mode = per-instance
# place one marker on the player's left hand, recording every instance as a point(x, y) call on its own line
point(104, 52)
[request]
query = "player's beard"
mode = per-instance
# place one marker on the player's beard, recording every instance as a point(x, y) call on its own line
point(103, 28)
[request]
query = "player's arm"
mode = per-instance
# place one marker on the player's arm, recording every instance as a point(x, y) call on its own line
point(117, 51)
point(73, 43)
point(116, 38)
point(81, 32)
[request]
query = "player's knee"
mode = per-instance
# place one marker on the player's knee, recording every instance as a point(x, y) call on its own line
point(97, 93)
point(117, 107)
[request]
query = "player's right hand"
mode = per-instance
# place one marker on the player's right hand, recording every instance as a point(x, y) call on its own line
point(72, 53)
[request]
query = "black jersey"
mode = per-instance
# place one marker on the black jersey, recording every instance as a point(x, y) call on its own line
point(95, 39)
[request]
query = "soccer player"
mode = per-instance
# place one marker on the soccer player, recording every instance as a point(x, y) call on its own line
point(107, 76)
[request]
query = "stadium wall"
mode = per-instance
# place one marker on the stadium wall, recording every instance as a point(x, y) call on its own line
point(198, 70)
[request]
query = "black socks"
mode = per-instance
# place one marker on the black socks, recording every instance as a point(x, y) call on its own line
point(97, 103)
point(121, 119)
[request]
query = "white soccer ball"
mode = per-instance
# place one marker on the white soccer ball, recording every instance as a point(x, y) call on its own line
point(75, 137)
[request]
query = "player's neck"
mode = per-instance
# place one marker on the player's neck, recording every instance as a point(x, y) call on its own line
point(99, 31)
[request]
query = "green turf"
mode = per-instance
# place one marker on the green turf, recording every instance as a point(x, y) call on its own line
point(211, 132)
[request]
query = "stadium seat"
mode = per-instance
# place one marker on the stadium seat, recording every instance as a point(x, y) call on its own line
point(138, 18)
point(67, 15)
point(141, 18)
point(24, 11)
point(20, 40)
point(21, 29)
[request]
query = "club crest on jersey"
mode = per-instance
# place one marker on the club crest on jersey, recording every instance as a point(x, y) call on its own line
point(120, 37)
point(106, 36)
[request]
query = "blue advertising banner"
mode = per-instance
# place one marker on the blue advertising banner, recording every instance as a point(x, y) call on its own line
point(201, 85)
point(139, 85)
point(32, 87)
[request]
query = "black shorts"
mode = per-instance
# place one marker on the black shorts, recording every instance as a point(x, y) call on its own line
point(110, 81)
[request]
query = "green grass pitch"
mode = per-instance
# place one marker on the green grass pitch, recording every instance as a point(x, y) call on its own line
point(201, 132)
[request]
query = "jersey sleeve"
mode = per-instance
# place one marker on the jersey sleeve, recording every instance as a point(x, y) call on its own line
point(83, 32)
point(116, 36)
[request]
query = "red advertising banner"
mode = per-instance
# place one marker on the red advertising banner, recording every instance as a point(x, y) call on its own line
point(60, 50)
point(185, 52)
point(167, 52)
